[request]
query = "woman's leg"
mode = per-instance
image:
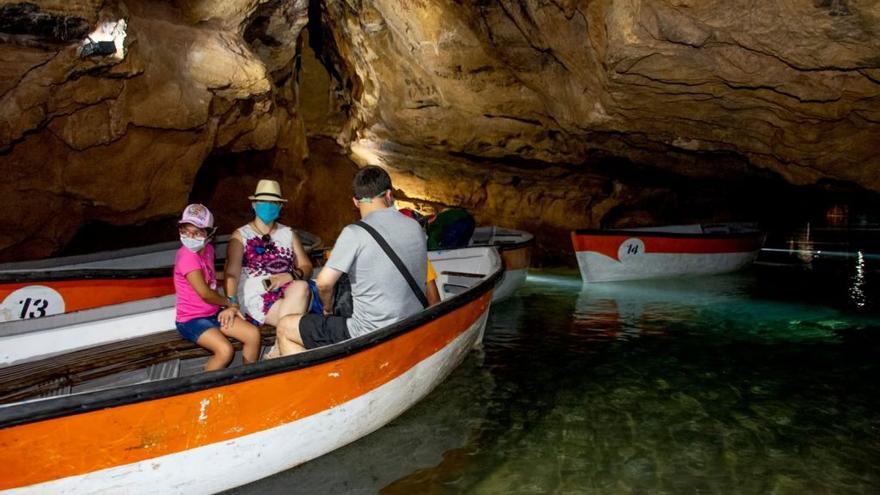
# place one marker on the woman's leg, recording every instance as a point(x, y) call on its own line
point(297, 297)
point(213, 340)
point(248, 335)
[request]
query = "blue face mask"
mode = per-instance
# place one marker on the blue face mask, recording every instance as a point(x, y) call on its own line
point(267, 212)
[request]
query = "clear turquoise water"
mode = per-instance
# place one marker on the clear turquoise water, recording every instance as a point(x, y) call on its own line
point(749, 383)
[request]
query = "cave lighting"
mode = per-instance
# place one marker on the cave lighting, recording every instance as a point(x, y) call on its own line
point(110, 31)
point(364, 152)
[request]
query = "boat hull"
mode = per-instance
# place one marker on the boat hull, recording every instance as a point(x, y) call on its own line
point(36, 289)
point(514, 247)
point(39, 298)
point(516, 262)
point(609, 257)
point(225, 436)
point(31, 339)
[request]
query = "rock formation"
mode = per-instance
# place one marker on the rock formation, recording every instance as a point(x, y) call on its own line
point(119, 138)
point(542, 115)
point(744, 93)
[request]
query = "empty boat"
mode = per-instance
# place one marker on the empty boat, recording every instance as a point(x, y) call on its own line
point(671, 251)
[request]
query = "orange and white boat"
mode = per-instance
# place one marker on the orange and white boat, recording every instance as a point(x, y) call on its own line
point(31, 295)
point(676, 250)
point(34, 289)
point(134, 417)
point(515, 248)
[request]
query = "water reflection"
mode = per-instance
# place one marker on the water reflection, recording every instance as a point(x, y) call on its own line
point(857, 289)
point(729, 384)
point(722, 305)
point(428, 435)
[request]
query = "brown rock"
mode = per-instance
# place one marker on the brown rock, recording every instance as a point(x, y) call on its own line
point(121, 141)
point(785, 87)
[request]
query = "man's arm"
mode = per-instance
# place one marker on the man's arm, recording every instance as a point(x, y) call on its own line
point(326, 280)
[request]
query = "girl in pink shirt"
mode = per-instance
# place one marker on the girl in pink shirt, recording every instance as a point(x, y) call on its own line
point(199, 317)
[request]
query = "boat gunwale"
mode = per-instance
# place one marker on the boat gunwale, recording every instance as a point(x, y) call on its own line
point(513, 245)
point(506, 246)
point(49, 275)
point(33, 411)
point(673, 235)
point(50, 264)
point(54, 322)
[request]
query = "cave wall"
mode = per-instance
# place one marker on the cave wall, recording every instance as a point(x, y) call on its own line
point(533, 114)
point(703, 88)
point(120, 139)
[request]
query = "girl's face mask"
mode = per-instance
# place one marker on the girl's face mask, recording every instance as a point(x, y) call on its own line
point(267, 212)
point(194, 244)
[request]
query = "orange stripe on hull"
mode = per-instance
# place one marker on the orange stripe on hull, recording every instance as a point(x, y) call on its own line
point(609, 245)
point(94, 293)
point(78, 444)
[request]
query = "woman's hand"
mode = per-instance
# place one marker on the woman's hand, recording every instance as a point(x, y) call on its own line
point(279, 280)
point(227, 316)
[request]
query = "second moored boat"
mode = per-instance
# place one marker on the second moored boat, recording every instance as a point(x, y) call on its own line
point(54, 286)
point(670, 251)
point(514, 247)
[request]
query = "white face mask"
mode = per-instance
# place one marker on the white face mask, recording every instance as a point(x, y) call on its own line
point(194, 245)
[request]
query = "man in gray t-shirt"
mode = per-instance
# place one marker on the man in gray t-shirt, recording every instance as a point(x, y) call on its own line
point(380, 294)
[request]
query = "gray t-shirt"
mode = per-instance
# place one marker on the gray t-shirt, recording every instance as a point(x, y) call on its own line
point(379, 292)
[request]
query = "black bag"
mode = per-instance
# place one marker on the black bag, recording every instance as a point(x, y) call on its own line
point(343, 305)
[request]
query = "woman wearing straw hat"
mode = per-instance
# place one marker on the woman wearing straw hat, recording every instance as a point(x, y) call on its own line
point(266, 266)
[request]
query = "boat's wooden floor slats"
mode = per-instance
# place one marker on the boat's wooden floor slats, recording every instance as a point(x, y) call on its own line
point(152, 357)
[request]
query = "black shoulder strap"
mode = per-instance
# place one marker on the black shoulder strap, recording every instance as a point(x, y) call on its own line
point(420, 294)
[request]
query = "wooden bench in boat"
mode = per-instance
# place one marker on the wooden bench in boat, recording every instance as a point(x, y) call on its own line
point(61, 374)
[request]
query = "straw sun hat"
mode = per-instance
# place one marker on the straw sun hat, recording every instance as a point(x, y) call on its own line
point(267, 190)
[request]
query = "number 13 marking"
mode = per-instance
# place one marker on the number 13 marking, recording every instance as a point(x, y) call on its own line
point(39, 306)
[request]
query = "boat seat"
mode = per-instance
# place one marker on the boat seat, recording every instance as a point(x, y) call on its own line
point(147, 358)
point(458, 282)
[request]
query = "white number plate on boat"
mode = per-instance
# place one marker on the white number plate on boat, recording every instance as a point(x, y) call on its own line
point(32, 301)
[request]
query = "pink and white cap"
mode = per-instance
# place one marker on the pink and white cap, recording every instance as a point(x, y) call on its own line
point(198, 215)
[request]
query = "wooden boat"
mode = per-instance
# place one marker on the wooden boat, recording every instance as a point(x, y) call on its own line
point(129, 417)
point(34, 289)
point(31, 339)
point(677, 250)
point(515, 248)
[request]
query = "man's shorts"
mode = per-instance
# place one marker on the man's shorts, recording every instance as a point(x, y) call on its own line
point(191, 330)
point(321, 330)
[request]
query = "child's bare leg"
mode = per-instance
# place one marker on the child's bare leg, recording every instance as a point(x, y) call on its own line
point(213, 340)
point(248, 335)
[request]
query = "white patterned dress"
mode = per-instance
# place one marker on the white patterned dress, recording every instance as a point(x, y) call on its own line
point(262, 259)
